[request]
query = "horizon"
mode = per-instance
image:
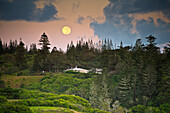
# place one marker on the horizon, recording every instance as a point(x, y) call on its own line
point(115, 45)
point(90, 19)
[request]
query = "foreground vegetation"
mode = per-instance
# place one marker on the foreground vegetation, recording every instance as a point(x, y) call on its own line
point(32, 99)
point(40, 109)
point(134, 78)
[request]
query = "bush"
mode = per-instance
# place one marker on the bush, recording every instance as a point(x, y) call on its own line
point(23, 73)
point(71, 106)
point(165, 108)
point(72, 72)
point(61, 103)
point(50, 110)
point(99, 111)
point(2, 84)
point(34, 102)
point(10, 93)
point(9, 108)
point(2, 99)
point(75, 100)
point(138, 109)
point(21, 102)
point(49, 103)
point(152, 110)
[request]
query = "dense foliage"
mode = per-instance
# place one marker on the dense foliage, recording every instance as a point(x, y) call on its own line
point(134, 78)
point(11, 107)
point(73, 84)
point(37, 98)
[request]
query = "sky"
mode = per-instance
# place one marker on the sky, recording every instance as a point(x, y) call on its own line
point(118, 20)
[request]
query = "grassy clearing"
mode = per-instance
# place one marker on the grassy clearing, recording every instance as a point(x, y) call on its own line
point(17, 81)
point(10, 100)
point(44, 109)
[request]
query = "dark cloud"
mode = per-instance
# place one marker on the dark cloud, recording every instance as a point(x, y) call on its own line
point(80, 19)
point(136, 6)
point(118, 25)
point(120, 9)
point(112, 31)
point(25, 10)
point(160, 32)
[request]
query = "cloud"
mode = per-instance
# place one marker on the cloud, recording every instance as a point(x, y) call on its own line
point(26, 10)
point(132, 19)
point(73, 9)
point(163, 45)
point(123, 12)
point(80, 19)
point(136, 6)
point(148, 17)
point(112, 31)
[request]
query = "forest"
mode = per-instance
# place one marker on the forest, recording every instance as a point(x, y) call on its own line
point(134, 79)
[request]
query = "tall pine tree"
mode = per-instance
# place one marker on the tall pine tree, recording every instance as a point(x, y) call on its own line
point(20, 56)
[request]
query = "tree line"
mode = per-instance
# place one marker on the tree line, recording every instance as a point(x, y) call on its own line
point(16, 57)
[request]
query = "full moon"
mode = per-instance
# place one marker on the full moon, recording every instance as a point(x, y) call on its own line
point(66, 30)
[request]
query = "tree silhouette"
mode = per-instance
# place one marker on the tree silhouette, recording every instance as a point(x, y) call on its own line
point(44, 42)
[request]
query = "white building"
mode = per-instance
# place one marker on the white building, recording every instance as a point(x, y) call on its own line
point(76, 69)
point(81, 70)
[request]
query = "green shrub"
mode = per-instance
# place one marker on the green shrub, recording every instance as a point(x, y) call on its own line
point(165, 108)
point(25, 94)
point(2, 99)
point(42, 109)
point(64, 84)
point(10, 93)
point(98, 111)
point(152, 110)
point(34, 102)
point(49, 103)
point(23, 73)
point(2, 83)
point(72, 72)
point(21, 102)
point(71, 106)
point(9, 108)
point(52, 97)
point(138, 109)
point(61, 103)
point(75, 99)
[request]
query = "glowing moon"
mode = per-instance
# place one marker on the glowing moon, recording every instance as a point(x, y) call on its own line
point(66, 30)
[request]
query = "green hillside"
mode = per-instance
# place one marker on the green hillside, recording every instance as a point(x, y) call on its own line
point(20, 81)
point(37, 101)
point(65, 83)
point(134, 79)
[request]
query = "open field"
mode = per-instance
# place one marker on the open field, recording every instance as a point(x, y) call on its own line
point(43, 109)
point(17, 81)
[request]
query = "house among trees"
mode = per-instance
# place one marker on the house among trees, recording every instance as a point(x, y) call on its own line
point(76, 69)
point(81, 70)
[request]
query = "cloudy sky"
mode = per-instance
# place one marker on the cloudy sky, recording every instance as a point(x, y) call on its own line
point(119, 20)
